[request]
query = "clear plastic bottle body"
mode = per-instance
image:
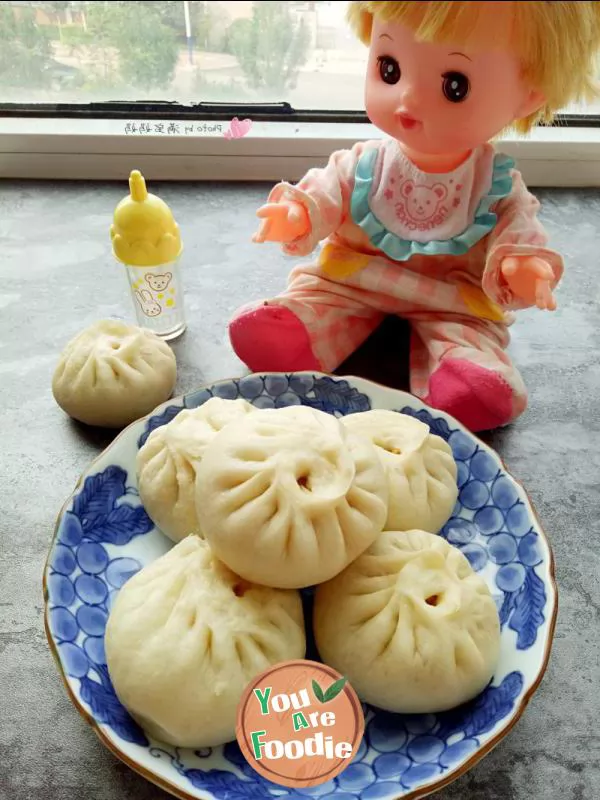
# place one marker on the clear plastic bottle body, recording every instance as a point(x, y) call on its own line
point(157, 296)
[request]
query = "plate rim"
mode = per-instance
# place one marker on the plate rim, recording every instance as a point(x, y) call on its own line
point(415, 794)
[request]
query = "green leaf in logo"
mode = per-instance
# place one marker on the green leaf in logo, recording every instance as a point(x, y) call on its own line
point(334, 689)
point(318, 692)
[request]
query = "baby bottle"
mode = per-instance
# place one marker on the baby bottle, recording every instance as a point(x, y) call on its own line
point(146, 239)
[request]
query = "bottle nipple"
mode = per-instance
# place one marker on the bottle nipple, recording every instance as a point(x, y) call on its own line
point(137, 186)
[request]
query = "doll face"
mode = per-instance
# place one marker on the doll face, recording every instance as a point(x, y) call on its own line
point(437, 98)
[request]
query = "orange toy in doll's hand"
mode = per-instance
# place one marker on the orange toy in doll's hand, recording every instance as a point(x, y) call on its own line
point(282, 222)
point(530, 279)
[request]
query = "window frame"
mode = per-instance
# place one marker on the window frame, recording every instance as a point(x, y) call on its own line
point(54, 145)
point(89, 141)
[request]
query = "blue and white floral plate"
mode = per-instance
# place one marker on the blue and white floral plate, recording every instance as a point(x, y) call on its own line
point(103, 537)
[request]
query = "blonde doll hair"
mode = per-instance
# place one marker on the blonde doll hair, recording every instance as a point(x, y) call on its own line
point(557, 42)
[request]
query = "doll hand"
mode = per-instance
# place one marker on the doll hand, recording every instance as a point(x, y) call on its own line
point(530, 278)
point(282, 222)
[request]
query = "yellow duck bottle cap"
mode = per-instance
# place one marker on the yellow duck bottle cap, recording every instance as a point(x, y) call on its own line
point(144, 232)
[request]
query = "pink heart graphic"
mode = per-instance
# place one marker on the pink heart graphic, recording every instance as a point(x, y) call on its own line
point(238, 128)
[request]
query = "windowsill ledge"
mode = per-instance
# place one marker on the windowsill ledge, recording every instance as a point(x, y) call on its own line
point(97, 149)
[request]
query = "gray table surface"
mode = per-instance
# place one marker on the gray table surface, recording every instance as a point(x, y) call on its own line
point(57, 276)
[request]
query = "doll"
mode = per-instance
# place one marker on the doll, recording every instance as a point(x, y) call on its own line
point(429, 223)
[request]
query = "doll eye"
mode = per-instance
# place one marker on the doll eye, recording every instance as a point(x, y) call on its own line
point(455, 86)
point(389, 69)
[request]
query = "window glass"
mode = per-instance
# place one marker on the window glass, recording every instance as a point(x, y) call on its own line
point(182, 50)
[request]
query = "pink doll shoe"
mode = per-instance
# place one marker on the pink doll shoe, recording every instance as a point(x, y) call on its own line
point(269, 337)
point(479, 398)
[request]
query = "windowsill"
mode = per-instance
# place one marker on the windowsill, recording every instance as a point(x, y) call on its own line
point(98, 149)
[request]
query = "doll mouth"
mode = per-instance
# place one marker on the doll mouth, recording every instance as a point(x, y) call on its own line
point(407, 122)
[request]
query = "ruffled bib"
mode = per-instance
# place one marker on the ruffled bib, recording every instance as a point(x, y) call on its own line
point(405, 211)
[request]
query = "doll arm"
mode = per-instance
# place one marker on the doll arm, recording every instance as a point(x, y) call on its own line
point(317, 205)
point(518, 253)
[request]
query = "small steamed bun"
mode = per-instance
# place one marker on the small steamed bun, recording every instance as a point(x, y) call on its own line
point(410, 624)
point(419, 465)
point(112, 374)
point(167, 464)
point(186, 636)
point(288, 498)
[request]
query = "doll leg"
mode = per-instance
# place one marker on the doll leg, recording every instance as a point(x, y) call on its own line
point(461, 367)
point(309, 327)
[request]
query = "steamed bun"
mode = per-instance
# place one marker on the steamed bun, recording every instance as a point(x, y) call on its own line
point(186, 636)
point(410, 624)
point(420, 469)
point(167, 464)
point(288, 498)
point(112, 374)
